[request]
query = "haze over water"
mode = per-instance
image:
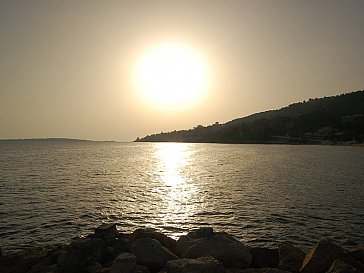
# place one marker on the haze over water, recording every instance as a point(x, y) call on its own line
point(51, 191)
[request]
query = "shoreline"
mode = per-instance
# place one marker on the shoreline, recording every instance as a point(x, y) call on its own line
point(204, 250)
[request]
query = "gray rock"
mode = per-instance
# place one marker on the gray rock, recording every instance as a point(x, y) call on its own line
point(264, 257)
point(340, 266)
point(151, 253)
point(290, 257)
point(199, 265)
point(321, 256)
point(124, 263)
point(154, 234)
point(226, 249)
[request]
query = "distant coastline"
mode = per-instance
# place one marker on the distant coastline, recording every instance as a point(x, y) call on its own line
point(54, 140)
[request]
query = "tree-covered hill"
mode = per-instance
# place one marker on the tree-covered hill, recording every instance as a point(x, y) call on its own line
point(329, 119)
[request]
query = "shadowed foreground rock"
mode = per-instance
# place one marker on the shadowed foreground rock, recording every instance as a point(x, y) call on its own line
point(199, 265)
point(221, 246)
point(290, 257)
point(200, 251)
point(151, 253)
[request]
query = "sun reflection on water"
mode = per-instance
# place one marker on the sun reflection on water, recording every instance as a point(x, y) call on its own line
point(172, 159)
point(177, 188)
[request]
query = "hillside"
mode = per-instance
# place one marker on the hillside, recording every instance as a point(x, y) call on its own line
point(321, 120)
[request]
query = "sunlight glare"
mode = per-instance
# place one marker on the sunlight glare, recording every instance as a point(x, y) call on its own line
point(172, 75)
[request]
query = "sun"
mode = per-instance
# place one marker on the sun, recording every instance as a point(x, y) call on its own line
point(171, 75)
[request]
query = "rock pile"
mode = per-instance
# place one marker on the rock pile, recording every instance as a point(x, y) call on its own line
point(200, 251)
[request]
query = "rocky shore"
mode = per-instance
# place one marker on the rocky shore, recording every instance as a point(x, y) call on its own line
point(200, 251)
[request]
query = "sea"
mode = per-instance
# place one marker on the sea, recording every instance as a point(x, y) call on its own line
point(54, 191)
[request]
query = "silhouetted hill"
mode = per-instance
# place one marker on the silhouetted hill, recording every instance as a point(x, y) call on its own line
point(330, 119)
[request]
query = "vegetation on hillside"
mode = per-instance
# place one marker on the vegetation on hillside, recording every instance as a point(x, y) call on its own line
point(329, 119)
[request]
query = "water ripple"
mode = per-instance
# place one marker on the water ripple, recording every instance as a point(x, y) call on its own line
point(262, 194)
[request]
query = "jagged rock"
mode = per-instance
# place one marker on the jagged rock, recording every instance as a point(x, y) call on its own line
point(264, 257)
point(153, 234)
point(340, 266)
point(199, 265)
point(124, 263)
point(290, 257)
point(106, 231)
point(151, 253)
point(226, 249)
point(79, 253)
point(321, 256)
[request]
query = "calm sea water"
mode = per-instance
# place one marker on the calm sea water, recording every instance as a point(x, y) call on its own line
point(51, 192)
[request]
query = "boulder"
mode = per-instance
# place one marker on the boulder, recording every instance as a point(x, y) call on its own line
point(106, 231)
point(339, 266)
point(264, 257)
point(153, 234)
point(124, 263)
point(199, 265)
point(290, 257)
point(151, 253)
point(185, 241)
point(80, 253)
point(321, 256)
point(226, 249)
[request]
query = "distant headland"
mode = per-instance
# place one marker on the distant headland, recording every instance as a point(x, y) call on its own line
point(329, 120)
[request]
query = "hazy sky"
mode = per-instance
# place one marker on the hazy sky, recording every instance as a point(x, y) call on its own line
point(66, 67)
